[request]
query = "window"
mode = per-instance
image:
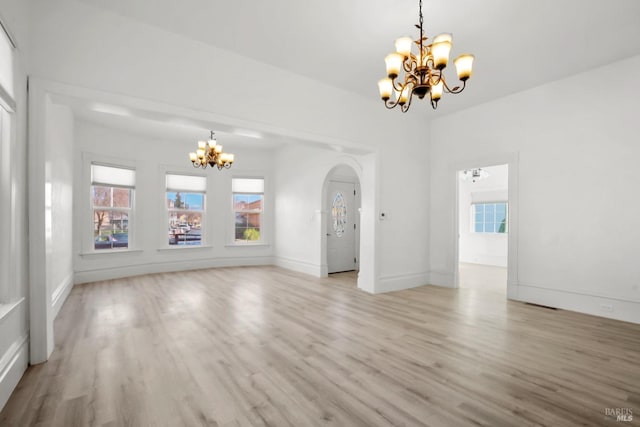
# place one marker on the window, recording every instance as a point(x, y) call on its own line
point(112, 191)
point(248, 198)
point(490, 218)
point(185, 206)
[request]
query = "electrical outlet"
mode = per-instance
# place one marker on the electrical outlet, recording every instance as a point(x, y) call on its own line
point(606, 307)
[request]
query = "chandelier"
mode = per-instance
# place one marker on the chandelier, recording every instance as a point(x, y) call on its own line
point(209, 153)
point(423, 72)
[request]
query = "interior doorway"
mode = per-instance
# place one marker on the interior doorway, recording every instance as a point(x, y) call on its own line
point(483, 227)
point(342, 205)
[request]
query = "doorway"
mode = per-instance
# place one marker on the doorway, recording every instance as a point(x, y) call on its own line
point(342, 205)
point(483, 218)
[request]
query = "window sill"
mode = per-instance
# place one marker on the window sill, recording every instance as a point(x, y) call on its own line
point(183, 248)
point(244, 245)
point(110, 252)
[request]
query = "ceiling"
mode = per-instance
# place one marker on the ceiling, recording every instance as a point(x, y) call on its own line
point(517, 44)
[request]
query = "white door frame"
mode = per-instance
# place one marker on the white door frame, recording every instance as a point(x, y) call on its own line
point(512, 161)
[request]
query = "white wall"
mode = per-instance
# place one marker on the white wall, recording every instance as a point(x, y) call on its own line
point(14, 311)
point(59, 170)
point(577, 148)
point(76, 44)
point(482, 248)
point(152, 158)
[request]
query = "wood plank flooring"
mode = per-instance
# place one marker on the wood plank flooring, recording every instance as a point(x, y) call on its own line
point(266, 346)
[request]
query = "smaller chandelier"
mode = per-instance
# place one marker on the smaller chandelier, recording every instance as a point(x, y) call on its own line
point(209, 153)
point(423, 72)
point(474, 174)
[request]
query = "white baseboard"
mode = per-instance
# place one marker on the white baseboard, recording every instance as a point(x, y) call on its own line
point(60, 294)
point(441, 278)
point(580, 301)
point(494, 261)
point(398, 282)
point(88, 276)
point(13, 364)
point(300, 266)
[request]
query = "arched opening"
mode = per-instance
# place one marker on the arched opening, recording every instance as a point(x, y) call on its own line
point(341, 201)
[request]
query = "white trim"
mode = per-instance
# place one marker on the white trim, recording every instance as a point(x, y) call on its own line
point(398, 282)
point(575, 300)
point(109, 273)
point(299, 266)
point(7, 101)
point(13, 364)
point(7, 309)
point(183, 248)
point(7, 32)
point(60, 294)
point(110, 252)
point(442, 278)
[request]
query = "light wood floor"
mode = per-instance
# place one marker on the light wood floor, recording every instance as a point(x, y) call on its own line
point(483, 278)
point(265, 346)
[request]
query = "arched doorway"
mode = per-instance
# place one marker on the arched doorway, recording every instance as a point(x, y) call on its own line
point(341, 202)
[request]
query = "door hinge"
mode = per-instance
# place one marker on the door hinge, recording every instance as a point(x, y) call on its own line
point(354, 226)
point(355, 261)
point(354, 192)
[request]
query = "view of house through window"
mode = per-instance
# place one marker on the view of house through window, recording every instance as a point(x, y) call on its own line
point(111, 198)
point(490, 217)
point(185, 207)
point(248, 198)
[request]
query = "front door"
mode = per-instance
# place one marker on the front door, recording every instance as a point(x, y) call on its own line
point(341, 233)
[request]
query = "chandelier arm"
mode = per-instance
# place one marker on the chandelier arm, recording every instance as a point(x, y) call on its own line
point(456, 89)
point(400, 86)
point(391, 104)
point(406, 106)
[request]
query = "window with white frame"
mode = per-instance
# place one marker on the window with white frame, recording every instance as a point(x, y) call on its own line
point(112, 190)
point(248, 204)
point(185, 208)
point(490, 217)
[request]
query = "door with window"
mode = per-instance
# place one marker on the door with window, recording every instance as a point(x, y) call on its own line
point(341, 231)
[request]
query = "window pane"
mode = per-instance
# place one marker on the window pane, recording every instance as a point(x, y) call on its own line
point(479, 209)
point(488, 211)
point(187, 201)
point(489, 227)
point(502, 226)
point(244, 234)
point(111, 229)
point(247, 202)
point(501, 208)
point(185, 228)
point(242, 220)
point(101, 196)
point(121, 198)
point(478, 227)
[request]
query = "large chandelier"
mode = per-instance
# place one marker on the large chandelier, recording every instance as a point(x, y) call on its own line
point(209, 153)
point(423, 72)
